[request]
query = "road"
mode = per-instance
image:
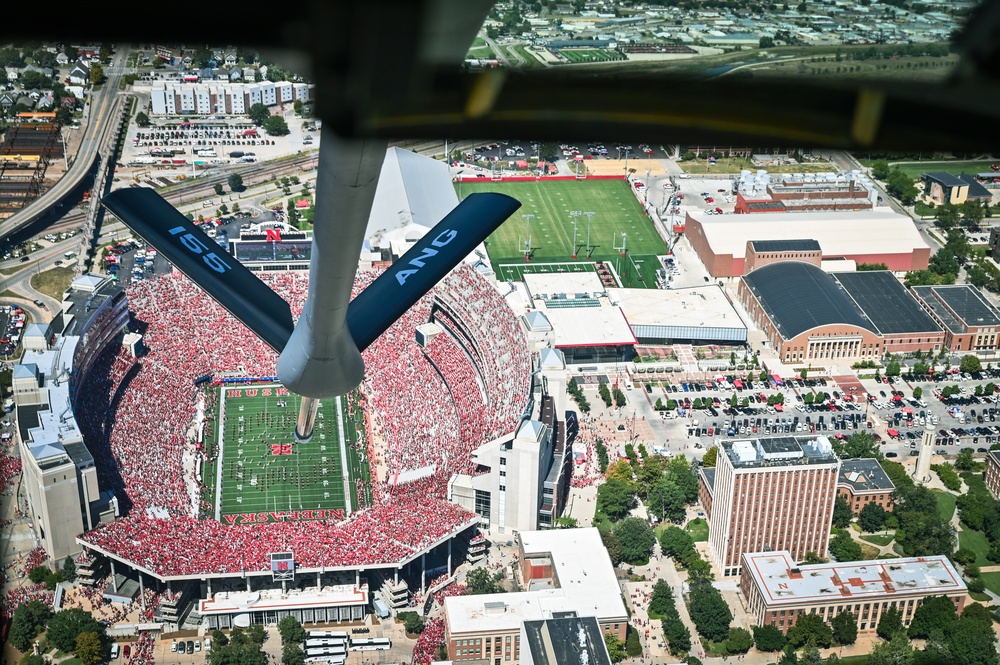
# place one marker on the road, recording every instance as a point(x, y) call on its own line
point(99, 116)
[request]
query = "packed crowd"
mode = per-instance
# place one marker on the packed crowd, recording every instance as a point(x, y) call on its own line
point(431, 414)
point(10, 470)
point(26, 591)
point(427, 644)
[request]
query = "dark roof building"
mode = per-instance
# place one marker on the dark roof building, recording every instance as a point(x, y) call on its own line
point(945, 187)
point(863, 481)
point(976, 190)
point(564, 640)
point(809, 314)
point(803, 245)
point(971, 323)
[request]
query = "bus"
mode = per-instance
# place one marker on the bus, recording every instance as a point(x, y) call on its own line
point(69, 256)
point(370, 644)
point(326, 642)
point(327, 651)
point(332, 634)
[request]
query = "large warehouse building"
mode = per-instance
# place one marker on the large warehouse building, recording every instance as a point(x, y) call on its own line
point(808, 314)
point(724, 242)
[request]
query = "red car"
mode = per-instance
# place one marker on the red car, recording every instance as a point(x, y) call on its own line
point(718, 210)
point(709, 200)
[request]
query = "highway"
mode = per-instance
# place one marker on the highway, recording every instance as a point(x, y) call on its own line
point(99, 116)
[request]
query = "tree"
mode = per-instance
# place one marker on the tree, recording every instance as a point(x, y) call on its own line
point(235, 182)
point(890, 623)
point(676, 542)
point(32, 659)
point(666, 501)
point(64, 627)
point(709, 612)
point(871, 267)
point(480, 581)
point(615, 498)
point(23, 631)
point(969, 364)
point(946, 216)
point(89, 649)
point(977, 612)
point(616, 648)
point(845, 628)
point(872, 518)
point(218, 188)
point(661, 600)
point(971, 641)
point(842, 513)
point(258, 113)
point(275, 125)
point(918, 391)
point(897, 651)
point(290, 630)
point(710, 458)
point(142, 119)
point(935, 613)
point(859, 445)
point(768, 638)
point(739, 641)
point(243, 647)
point(810, 629)
point(636, 538)
point(679, 471)
point(880, 169)
point(292, 654)
point(633, 647)
point(844, 548)
point(892, 369)
point(412, 622)
point(38, 574)
point(69, 570)
point(96, 73)
point(766, 42)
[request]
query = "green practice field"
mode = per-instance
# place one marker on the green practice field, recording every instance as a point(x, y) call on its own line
point(616, 211)
point(590, 55)
point(259, 467)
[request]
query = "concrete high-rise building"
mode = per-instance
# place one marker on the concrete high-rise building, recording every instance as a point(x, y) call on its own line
point(772, 494)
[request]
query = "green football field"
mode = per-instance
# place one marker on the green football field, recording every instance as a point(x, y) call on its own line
point(261, 469)
point(616, 211)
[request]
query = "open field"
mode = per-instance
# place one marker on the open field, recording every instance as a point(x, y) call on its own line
point(910, 68)
point(913, 170)
point(590, 55)
point(975, 541)
point(263, 469)
point(737, 164)
point(54, 281)
point(698, 529)
point(551, 228)
point(880, 539)
point(946, 504)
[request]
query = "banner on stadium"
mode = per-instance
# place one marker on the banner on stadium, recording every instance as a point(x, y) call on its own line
point(285, 516)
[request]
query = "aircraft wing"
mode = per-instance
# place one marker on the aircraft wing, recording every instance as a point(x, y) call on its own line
point(199, 257)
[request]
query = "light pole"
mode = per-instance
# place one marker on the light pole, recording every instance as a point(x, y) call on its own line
point(589, 216)
point(574, 214)
point(527, 243)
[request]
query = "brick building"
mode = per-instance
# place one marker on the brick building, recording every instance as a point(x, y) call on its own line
point(992, 475)
point(791, 195)
point(869, 236)
point(778, 592)
point(771, 494)
point(970, 322)
point(810, 315)
point(863, 481)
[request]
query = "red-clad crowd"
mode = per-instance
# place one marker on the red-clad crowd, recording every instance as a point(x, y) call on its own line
point(136, 415)
point(428, 642)
point(10, 469)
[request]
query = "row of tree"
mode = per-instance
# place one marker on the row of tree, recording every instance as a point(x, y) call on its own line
point(573, 388)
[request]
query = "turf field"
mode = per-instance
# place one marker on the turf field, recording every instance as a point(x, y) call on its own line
point(616, 211)
point(590, 55)
point(259, 467)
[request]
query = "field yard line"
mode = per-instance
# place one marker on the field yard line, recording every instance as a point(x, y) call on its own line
point(220, 457)
point(343, 458)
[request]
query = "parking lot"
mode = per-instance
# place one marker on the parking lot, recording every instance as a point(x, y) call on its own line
point(894, 415)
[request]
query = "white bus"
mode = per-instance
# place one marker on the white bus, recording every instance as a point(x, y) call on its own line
point(326, 642)
point(332, 634)
point(327, 651)
point(370, 644)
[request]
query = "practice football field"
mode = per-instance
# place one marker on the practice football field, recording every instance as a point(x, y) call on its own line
point(261, 469)
point(616, 211)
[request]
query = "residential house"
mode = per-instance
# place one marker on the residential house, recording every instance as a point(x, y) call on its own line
point(230, 60)
point(80, 73)
point(62, 59)
point(235, 74)
point(8, 99)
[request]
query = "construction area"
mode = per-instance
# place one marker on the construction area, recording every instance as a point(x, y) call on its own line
point(26, 152)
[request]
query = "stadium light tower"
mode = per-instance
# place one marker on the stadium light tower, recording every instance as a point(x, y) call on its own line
point(574, 214)
point(589, 216)
point(527, 243)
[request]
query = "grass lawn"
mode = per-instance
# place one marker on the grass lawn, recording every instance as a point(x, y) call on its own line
point(53, 282)
point(949, 166)
point(992, 581)
point(923, 209)
point(530, 61)
point(914, 68)
point(981, 597)
point(975, 541)
point(861, 659)
point(888, 556)
point(698, 529)
point(946, 504)
point(880, 539)
point(868, 551)
point(262, 470)
point(736, 164)
point(552, 234)
point(480, 53)
point(975, 481)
